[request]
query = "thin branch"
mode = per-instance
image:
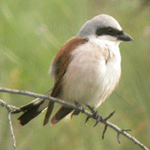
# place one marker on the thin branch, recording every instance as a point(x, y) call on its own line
point(81, 109)
point(10, 109)
point(11, 130)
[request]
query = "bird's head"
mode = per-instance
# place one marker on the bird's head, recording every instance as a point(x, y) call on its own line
point(104, 27)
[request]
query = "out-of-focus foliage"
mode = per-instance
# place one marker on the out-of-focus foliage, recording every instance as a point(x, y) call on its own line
point(32, 31)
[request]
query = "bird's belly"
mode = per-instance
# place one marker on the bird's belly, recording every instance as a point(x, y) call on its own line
point(90, 83)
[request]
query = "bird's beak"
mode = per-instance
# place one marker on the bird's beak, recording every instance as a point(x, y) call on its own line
point(124, 37)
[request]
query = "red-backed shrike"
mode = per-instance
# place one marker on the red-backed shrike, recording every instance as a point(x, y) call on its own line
point(86, 69)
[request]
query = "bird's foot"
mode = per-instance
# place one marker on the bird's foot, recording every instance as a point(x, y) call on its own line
point(77, 111)
point(95, 115)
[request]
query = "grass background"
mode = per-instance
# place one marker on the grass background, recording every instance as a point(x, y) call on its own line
point(32, 31)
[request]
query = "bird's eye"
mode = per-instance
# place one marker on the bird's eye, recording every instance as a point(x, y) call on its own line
point(110, 29)
point(107, 31)
point(120, 32)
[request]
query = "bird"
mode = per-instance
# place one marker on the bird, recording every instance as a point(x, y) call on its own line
point(86, 69)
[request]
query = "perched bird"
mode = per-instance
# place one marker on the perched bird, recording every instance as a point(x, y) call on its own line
point(86, 69)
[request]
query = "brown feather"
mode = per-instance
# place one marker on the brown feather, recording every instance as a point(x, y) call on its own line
point(61, 62)
point(59, 68)
point(48, 113)
point(61, 113)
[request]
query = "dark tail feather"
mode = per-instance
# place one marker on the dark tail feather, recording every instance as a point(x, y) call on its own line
point(31, 110)
point(48, 113)
point(61, 113)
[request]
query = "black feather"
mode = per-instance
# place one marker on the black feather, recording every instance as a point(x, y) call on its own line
point(30, 112)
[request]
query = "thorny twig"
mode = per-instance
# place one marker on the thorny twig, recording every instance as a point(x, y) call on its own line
point(118, 135)
point(81, 109)
point(105, 129)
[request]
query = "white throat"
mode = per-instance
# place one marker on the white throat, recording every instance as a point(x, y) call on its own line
point(106, 41)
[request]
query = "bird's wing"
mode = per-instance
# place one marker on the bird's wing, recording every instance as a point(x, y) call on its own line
point(58, 69)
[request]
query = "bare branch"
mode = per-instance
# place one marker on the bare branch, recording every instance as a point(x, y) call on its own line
point(11, 130)
point(81, 109)
point(10, 109)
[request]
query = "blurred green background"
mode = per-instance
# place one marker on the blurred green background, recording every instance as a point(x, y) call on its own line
point(32, 31)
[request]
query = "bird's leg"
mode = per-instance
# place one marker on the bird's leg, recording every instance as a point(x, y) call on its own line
point(95, 115)
point(77, 112)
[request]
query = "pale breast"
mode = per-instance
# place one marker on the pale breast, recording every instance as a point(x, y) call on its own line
point(91, 75)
